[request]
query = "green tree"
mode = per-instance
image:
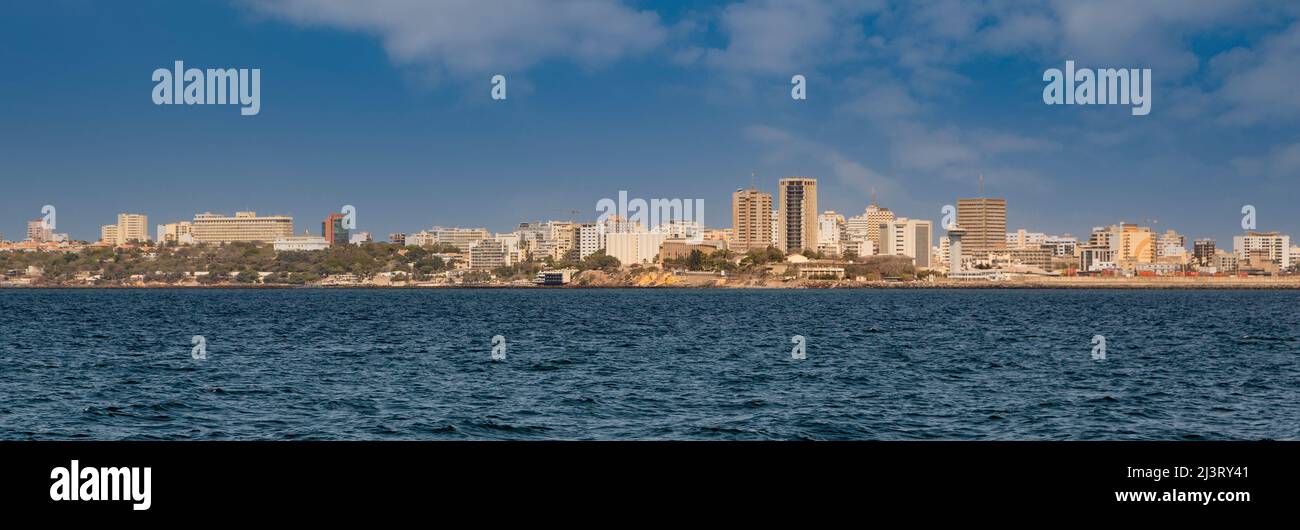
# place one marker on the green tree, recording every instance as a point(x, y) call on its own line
point(599, 260)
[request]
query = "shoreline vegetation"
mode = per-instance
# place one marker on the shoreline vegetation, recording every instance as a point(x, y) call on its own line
point(391, 266)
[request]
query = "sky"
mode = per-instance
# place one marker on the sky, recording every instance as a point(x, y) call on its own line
point(386, 105)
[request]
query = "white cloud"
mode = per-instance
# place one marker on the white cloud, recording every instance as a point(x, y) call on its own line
point(918, 148)
point(996, 142)
point(471, 37)
point(1282, 162)
point(1150, 34)
point(954, 154)
point(1020, 32)
point(1259, 84)
point(845, 170)
point(932, 38)
point(786, 36)
point(880, 98)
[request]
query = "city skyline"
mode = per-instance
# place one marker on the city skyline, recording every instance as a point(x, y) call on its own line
point(685, 103)
point(971, 204)
point(975, 245)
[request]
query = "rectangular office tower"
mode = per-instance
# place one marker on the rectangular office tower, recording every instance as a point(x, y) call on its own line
point(908, 237)
point(985, 222)
point(751, 220)
point(797, 216)
point(333, 231)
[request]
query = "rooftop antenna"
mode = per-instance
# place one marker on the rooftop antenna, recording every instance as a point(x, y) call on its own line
point(873, 195)
point(751, 181)
point(981, 185)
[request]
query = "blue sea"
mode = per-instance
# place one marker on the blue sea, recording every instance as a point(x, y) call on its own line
point(649, 364)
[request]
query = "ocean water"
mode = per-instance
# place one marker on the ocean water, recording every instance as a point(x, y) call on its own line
point(649, 364)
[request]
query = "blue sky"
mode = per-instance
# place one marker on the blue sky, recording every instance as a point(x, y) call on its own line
point(385, 105)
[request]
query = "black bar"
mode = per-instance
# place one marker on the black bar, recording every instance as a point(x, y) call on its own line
point(359, 478)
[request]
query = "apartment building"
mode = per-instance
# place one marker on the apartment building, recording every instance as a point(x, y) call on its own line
point(1273, 247)
point(751, 220)
point(129, 227)
point(488, 254)
point(797, 220)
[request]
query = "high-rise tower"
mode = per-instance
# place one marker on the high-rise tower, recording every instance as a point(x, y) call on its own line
point(797, 217)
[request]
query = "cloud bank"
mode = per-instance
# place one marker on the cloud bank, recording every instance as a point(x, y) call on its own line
point(471, 37)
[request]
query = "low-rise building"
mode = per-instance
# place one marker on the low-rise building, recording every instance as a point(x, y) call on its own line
point(1039, 257)
point(634, 247)
point(555, 277)
point(243, 227)
point(461, 238)
point(300, 243)
point(37, 231)
point(178, 233)
point(681, 249)
point(820, 273)
point(1225, 262)
point(859, 246)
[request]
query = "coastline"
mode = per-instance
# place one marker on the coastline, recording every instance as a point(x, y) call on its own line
point(1225, 284)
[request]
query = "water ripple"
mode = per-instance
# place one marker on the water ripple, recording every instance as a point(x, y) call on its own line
point(317, 364)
